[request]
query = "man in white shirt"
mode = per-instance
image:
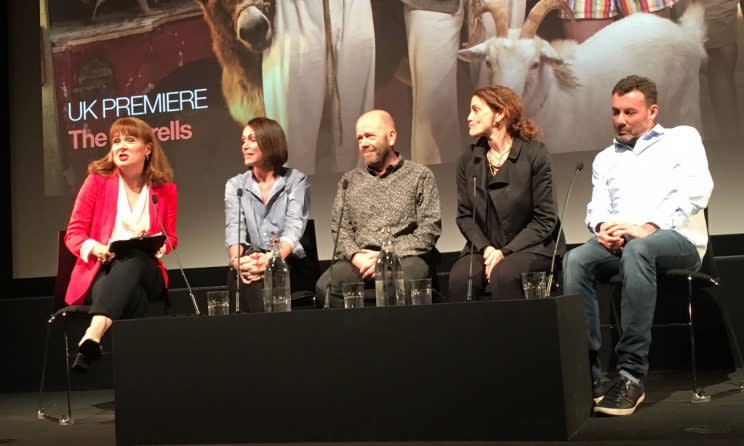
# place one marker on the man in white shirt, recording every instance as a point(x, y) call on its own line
point(650, 188)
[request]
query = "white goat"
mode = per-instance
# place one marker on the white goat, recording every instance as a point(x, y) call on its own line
point(566, 88)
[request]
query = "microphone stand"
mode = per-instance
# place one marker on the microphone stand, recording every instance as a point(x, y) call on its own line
point(180, 266)
point(469, 295)
point(344, 186)
point(240, 246)
point(578, 169)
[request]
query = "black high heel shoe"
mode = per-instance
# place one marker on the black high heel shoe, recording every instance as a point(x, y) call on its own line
point(80, 364)
point(90, 349)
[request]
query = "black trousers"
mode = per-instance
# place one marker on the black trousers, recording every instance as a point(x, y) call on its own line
point(124, 286)
point(506, 277)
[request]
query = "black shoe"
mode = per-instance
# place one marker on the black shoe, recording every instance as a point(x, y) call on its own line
point(90, 349)
point(622, 397)
point(598, 390)
point(80, 364)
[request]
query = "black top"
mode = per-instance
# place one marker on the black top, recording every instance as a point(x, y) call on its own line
point(523, 215)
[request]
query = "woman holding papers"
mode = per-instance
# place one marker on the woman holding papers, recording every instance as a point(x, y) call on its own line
point(267, 198)
point(129, 193)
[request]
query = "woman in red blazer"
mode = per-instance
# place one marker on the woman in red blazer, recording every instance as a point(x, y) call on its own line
point(116, 203)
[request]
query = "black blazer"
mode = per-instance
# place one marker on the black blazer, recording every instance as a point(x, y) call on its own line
point(522, 194)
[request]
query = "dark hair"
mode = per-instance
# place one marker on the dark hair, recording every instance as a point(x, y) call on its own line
point(640, 83)
point(505, 100)
point(271, 139)
point(157, 170)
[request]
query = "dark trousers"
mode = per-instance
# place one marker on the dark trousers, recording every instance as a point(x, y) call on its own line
point(251, 299)
point(414, 267)
point(123, 287)
point(506, 277)
point(302, 274)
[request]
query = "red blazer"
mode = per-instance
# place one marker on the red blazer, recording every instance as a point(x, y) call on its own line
point(94, 216)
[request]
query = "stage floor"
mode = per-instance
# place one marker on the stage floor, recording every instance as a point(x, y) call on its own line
point(666, 417)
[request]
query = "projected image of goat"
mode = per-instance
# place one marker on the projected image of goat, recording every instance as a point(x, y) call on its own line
point(566, 86)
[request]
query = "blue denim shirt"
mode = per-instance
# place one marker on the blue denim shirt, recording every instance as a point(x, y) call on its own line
point(286, 212)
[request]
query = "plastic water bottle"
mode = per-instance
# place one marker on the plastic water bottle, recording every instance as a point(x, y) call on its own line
point(389, 276)
point(276, 278)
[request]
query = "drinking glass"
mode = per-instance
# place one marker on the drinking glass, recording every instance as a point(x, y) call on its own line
point(421, 292)
point(353, 294)
point(534, 285)
point(218, 303)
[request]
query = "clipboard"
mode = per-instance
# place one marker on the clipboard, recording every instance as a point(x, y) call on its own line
point(150, 244)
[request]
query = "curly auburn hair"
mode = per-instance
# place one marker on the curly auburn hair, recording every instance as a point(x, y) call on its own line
point(505, 100)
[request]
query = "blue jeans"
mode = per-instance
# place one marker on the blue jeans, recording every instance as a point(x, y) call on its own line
point(637, 264)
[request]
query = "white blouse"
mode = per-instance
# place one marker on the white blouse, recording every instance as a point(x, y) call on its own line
point(130, 221)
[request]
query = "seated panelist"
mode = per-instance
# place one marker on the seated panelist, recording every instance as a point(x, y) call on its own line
point(388, 194)
point(650, 188)
point(274, 199)
point(510, 225)
point(116, 202)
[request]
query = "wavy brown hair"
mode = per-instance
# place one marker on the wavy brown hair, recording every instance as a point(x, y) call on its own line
point(157, 170)
point(505, 100)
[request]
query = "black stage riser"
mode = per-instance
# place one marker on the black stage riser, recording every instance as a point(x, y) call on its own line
point(478, 371)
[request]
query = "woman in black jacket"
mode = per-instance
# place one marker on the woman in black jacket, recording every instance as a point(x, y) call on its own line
point(505, 202)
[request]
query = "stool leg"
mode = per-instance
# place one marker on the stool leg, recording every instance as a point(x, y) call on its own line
point(40, 411)
point(41, 414)
point(68, 419)
point(697, 396)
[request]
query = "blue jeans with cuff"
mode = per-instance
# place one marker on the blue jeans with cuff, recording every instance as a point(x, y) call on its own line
point(638, 264)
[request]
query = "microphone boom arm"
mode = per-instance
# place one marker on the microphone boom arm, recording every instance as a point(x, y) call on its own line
point(173, 250)
point(327, 302)
point(549, 285)
point(469, 295)
point(240, 246)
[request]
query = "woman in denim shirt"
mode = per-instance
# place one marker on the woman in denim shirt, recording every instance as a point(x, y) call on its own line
point(274, 199)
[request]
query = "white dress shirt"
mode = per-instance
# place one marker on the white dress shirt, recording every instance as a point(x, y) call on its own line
point(663, 180)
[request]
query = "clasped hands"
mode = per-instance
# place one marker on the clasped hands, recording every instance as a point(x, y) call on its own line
point(365, 261)
point(251, 266)
point(614, 234)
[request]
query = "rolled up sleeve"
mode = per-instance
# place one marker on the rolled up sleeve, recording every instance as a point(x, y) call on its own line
point(298, 211)
point(233, 213)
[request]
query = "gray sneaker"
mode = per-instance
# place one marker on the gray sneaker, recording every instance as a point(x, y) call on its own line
point(598, 390)
point(621, 398)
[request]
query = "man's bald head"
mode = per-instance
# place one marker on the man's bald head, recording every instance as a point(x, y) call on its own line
point(377, 117)
point(375, 132)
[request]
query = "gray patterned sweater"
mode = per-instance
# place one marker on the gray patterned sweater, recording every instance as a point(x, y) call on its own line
point(404, 199)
